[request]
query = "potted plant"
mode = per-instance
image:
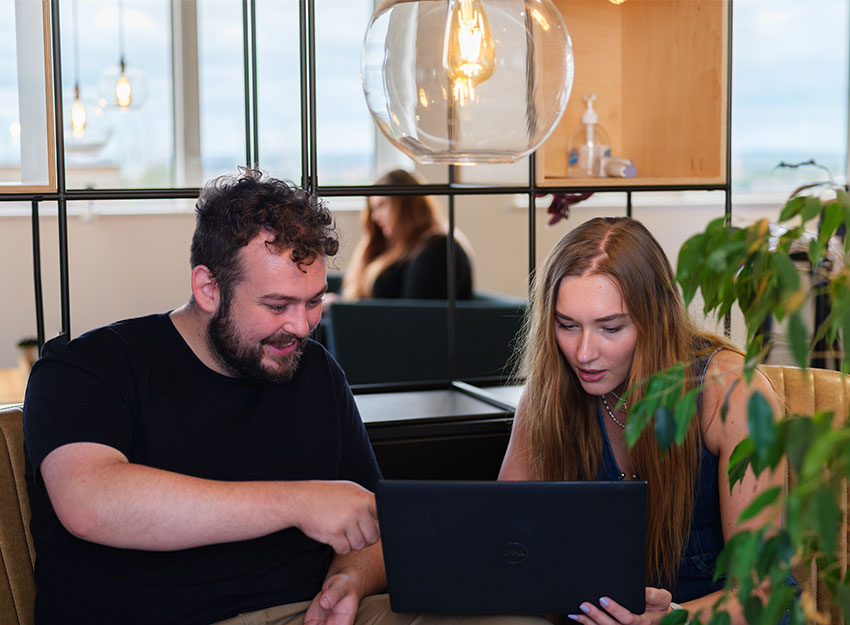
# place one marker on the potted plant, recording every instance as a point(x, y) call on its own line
point(753, 268)
point(27, 354)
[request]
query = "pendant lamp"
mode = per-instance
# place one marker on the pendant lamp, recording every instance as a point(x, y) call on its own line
point(87, 129)
point(467, 81)
point(122, 86)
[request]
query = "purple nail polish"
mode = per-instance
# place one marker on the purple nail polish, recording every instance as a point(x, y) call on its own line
point(573, 616)
point(585, 608)
point(604, 602)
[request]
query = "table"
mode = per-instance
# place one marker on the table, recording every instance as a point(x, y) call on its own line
point(438, 434)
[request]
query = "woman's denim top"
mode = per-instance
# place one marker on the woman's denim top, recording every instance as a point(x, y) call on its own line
point(705, 542)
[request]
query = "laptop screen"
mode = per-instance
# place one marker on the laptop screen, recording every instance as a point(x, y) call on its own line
point(512, 547)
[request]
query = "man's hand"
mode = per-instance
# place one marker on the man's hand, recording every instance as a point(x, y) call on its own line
point(612, 613)
point(340, 514)
point(336, 604)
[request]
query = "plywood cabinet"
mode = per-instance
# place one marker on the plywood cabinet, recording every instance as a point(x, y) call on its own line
point(659, 70)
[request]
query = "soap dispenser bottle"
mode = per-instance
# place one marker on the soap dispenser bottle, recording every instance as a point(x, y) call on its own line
point(588, 145)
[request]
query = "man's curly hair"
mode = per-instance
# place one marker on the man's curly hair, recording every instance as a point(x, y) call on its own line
point(232, 210)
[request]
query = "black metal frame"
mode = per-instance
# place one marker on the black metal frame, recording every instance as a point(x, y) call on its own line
point(309, 179)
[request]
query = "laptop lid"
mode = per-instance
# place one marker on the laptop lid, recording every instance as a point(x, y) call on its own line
point(512, 547)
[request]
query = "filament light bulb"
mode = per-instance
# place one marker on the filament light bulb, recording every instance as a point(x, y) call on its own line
point(469, 54)
point(123, 89)
point(78, 115)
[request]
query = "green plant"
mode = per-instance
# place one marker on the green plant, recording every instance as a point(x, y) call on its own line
point(753, 268)
point(28, 341)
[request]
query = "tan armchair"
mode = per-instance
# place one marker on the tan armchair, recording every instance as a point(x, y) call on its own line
point(17, 585)
point(806, 392)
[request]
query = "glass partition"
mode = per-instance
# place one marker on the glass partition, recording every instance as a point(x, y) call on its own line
point(186, 123)
point(278, 88)
point(345, 132)
point(494, 230)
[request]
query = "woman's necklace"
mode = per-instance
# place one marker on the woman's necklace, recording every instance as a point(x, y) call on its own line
point(618, 422)
point(620, 399)
point(610, 413)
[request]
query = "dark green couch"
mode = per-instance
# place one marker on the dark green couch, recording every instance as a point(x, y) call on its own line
point(406, 340)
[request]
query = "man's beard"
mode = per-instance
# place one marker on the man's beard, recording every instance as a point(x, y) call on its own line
point(244, 359)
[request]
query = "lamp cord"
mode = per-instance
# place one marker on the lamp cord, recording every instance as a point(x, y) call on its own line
point(76, 48)
point(121, 30)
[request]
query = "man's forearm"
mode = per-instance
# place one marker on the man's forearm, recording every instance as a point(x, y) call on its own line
point(365, 567)
point(102, 498)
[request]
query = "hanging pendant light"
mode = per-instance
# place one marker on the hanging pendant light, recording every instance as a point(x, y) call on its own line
point(78, 110)
point(87, 130)
point(78, 115)
point(467, 81)
point(122, 86)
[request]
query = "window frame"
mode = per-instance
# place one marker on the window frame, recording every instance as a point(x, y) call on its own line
point(48, 43)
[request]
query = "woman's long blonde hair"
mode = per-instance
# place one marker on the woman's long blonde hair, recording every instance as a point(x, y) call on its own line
point(414, 218)
point(565, 441)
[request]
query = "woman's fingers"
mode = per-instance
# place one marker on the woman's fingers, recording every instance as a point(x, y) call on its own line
point(657, 599)
point(620, 614)
point(594, 615)
point(609, 612)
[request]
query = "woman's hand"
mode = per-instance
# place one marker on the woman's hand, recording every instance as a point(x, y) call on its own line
point(612, 613)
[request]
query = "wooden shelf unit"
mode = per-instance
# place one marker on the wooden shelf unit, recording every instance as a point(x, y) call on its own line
point(659, 70)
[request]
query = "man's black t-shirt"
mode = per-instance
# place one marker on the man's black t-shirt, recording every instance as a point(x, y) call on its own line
point(137, 386)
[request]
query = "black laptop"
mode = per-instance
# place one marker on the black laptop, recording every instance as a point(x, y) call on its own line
point(512, 547)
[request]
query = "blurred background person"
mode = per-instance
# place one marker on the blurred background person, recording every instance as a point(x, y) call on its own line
point(402, 252)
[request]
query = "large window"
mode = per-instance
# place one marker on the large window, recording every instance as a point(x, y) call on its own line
point(789, 92)
point(26, 112)
point(187, 122)
point(187, 119)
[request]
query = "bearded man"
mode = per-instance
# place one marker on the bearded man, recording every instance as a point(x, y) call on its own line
point(209, 465)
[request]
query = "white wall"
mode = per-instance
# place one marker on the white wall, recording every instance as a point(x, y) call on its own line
point(130, 265)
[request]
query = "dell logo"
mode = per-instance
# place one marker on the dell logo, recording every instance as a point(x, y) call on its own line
point(515, 553)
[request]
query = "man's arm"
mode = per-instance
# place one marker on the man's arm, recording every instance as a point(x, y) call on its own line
point(101, 497)
point(350, 578)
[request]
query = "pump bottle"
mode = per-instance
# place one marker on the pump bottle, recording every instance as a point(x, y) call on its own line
point(588, 145)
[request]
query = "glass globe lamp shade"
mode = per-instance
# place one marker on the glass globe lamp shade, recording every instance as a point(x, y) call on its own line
point(122, 87)
point(87, 126)
point(467, 81)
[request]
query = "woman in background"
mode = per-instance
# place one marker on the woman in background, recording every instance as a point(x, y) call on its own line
point(403, 249)
point(606, 315)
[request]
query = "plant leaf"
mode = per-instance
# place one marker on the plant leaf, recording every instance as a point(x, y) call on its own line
point(798, 438)
point(720, 618)
point(779, 601)
point(676, 617)
point(739, 461)
point(811, 208)
point(762, 430)
point(685, 411)
point(791, 209)
point(842, 595)
point(760, 503)
point(753, 609)
point(833, 214)
point(825, 519)
point(798, 340)
point(665, 427)
point(776, 554)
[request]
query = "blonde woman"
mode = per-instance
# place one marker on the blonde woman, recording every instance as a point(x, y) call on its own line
point(606, 315)
point(403, 249)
